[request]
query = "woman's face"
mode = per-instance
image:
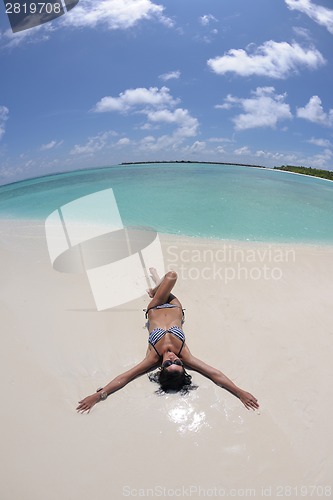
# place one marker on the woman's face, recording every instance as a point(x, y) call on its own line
point(172, 364)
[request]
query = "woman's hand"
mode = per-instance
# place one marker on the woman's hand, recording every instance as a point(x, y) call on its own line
point(87, 403)
point(249, 401)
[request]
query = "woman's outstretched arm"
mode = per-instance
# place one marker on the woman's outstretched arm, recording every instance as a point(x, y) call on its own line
point(149, 362)
point(248, 400)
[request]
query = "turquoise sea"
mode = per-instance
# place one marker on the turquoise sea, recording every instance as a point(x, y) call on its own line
point(202, 200)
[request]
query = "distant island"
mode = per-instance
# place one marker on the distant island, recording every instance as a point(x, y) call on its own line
point(315, 172)
point(192, 161)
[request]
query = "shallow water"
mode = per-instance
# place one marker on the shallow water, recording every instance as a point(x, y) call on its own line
point(214, 201)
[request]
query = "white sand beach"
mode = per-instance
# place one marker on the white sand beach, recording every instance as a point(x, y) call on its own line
point(262, 313)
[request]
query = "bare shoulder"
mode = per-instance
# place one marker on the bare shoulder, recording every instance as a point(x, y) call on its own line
point(149, 362)
point(197, 364)
point(151, 355)
point(185, 355)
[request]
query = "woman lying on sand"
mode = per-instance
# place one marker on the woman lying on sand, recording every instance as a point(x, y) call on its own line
point(167, 349)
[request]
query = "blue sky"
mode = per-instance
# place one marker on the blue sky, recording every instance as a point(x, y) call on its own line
point(135, 80)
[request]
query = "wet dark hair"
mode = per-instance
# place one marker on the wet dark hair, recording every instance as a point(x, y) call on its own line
point(179, 381)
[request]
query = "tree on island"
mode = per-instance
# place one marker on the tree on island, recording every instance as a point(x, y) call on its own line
point(315, 172)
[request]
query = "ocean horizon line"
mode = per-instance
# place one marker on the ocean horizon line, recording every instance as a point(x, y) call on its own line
point(159, 162)
point(149, 162)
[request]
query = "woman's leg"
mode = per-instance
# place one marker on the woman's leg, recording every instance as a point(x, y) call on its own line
point(162, 291)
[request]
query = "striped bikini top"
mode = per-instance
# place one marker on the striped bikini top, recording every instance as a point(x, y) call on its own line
point(156, 335)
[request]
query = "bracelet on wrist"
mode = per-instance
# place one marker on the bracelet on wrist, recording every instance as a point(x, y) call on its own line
point(102, 394)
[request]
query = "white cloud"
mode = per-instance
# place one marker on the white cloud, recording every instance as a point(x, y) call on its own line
point(272, 59)
point(263, 109)
point(226, 105)
point(317, 13)
point(260, 154)
point(314, 112)
point(196, 147)
point(172, 75)
point(207, 19)
point(163, 143)
point(147, 126)
point(187, 124)
point(3, 118)
point(157, 105)
point(278, 157)
point(242, 151)
point(206, 22)
point(320, 160)
point(149, 139)
point(322, 143)
point(132, 98)
point(303, 32)
point(219, 139)
point(124, 141)
point(50, 145)
point(93, 144)
point(115, 14)
point(38, 34)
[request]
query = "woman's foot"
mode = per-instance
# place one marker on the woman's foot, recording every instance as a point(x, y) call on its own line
point(156, 279)
point(154, 275)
